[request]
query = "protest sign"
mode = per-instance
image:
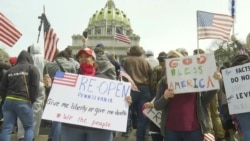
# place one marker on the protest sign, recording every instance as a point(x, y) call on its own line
point(88, 101)
point(236, 82)
point(192, 73)
point(153, 115)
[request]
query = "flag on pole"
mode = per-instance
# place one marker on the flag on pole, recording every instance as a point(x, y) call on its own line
point(9, 34)
point(125, 75)
point(50, 40)
point(213, 26)
point(120, 36)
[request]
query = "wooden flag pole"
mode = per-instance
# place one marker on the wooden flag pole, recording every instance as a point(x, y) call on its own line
point(198, 46)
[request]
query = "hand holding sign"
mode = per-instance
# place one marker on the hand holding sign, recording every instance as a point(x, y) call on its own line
point(128, 99)
point(168, 93)
point(217, 75)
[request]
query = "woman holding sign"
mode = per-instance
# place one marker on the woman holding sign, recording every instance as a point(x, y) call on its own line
point(81, 133)
point(243, 118)
point(184, 116)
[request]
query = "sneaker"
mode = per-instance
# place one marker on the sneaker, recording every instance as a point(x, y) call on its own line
point(21, 139)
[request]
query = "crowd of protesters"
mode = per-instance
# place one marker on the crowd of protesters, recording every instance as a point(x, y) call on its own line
point(26, 82)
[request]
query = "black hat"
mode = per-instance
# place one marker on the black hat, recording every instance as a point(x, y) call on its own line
point(162, 55)
point(240, 59)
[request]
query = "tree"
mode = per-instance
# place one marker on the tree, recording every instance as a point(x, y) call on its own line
point(4, 55)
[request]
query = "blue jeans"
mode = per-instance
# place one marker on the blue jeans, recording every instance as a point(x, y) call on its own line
point(55, 131)
point(244, 120)
point(76, 133)
point(139, 98)
point(13, 109)
point(195, 135)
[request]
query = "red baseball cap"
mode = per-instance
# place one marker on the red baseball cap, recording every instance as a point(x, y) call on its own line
point(87, 51)
point(13, 60)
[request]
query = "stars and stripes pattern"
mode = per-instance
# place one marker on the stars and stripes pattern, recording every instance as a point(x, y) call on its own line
point(9, 34)
point(125, 75)
point(50, 40)
point(120, 36)
point(66, 79)
point(213, 26)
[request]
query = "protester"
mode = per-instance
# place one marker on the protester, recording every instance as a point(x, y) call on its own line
point(3, 69)
point(214, 113)
point(140, 71)
point(104, 64)
point(151, 60)
point(243, 118)
point(61, 63)
point(114, 62)
point(227, 120)
point(12, 60)
point(72, 58)
point(184, 116)
point(20, 87)
point(38, 105)
point(158, 72)
point(183, 51)
point(71, 132)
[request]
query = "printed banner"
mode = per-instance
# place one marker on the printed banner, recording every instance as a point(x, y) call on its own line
point(88, 101)
point(236, 81)
point(192, 73)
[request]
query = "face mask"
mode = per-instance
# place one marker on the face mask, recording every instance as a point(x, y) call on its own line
point(87, 69)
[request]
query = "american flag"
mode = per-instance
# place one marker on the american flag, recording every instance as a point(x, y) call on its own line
point(121, 37)
point(66, 79)
point(213, 26)
point(50, 40)
point(125, 75)
point(9, 34)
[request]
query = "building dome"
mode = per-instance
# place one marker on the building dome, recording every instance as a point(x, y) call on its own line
point(109, 12)
point(101, 28)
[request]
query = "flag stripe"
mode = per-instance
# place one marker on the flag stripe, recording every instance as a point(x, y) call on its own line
point(121, 37)
point(50, 40)
point(67, 79)
point(213, 26)
point(9, 34)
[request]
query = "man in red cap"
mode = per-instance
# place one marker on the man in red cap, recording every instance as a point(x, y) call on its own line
point(12, 60)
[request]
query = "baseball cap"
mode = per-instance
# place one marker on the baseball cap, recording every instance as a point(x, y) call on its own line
point(87, 51)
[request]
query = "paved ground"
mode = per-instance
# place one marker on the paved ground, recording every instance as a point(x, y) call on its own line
point(118, 137)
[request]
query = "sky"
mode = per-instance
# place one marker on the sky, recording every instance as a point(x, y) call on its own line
point(163, 25)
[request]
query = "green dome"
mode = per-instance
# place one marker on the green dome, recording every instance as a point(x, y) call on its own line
point(109, 12)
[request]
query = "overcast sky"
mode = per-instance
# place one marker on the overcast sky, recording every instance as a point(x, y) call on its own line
point(162, 24)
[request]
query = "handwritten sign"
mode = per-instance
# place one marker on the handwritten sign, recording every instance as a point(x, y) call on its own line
point(192, 73)
point(153, 115)
point(236, 81)
point(88, 101)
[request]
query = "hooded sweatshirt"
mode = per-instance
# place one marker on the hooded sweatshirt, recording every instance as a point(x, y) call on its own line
point(105, 66)
point(38, 58)
point(22, 80)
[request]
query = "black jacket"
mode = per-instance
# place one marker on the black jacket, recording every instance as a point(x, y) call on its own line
point(22, 80)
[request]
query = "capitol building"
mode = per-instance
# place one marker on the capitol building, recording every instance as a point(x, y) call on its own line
point(101, 29)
